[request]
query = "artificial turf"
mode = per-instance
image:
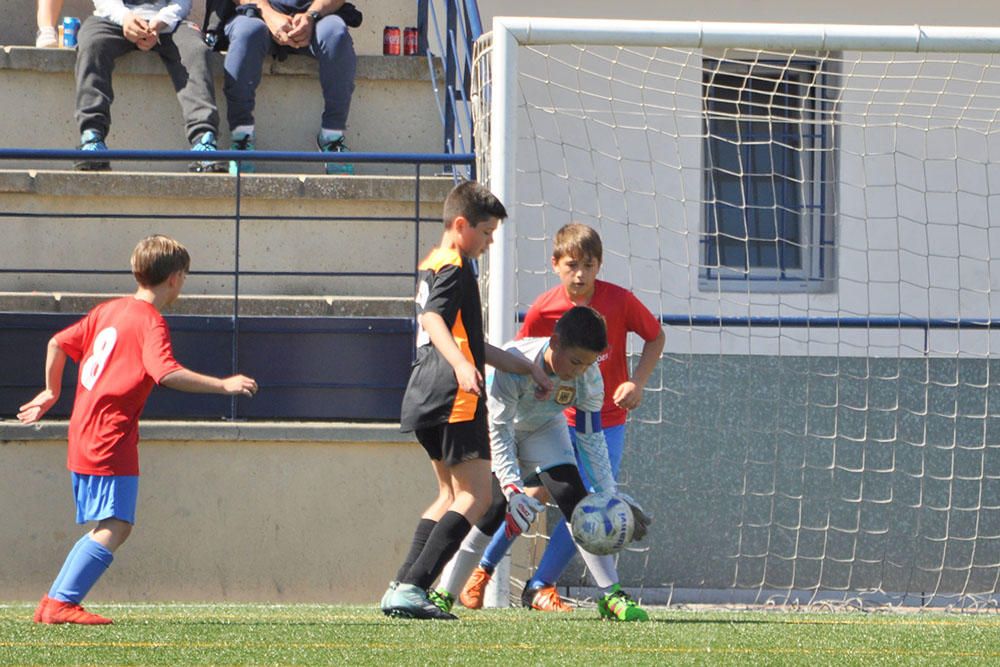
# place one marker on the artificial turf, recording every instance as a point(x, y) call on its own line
point(231, 634)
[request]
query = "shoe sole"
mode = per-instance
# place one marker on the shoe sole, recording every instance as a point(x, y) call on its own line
point(401, 612)
point(92, 166)
point(209, 167)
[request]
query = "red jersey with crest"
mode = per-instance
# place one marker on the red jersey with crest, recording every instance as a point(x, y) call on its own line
point(123, 349)
point(622, 311)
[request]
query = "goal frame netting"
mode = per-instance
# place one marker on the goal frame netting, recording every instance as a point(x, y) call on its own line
point(496, 100)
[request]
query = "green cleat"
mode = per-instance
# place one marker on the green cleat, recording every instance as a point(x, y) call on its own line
point(384, 605)
point(409, 601)
point(618, 606)
point(443, 599)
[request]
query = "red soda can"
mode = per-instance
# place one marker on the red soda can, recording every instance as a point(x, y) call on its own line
point(391, 39)
point(410, 40)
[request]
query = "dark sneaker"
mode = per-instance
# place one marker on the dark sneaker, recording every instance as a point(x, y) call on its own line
point(336, 146)
point(242, 142)
point(408, 601)
point(387, 596)
point(207, 143)
point(91, 140)
point(618, 606)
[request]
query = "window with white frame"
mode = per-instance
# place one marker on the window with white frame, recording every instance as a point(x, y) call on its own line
point(769, 168)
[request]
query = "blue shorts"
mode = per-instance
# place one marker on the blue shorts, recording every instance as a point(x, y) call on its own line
point(105, 497)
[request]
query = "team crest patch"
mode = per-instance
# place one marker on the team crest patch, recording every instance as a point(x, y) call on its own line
point(565, 395)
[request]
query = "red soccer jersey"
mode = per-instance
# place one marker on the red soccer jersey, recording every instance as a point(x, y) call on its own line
point(123, 348)
point(622, 311)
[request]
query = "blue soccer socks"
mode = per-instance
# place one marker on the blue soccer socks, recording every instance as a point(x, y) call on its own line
point(84, 565)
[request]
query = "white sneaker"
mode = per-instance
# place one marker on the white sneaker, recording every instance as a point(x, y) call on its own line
point(46, 38)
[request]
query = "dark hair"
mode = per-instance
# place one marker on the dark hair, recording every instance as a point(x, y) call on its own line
point(474, 202)
point(583, 327)
point(156, 257)
point(577, 241)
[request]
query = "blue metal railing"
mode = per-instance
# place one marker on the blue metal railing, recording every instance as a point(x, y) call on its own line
point(418, 161)
point(449, 33)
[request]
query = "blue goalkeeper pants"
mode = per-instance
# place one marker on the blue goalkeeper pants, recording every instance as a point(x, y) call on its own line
point(561, 548)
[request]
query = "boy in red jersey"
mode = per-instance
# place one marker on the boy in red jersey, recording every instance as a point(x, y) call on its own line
point(123, 348)
point(576, 259)
point(444, 403)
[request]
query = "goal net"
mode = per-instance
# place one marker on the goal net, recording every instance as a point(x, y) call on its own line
point(809, 210)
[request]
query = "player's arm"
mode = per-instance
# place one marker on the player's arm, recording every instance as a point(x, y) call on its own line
point(468, 376)
point(521, 365)
point(196, 383)
point(55, 362)
point(628, 394)
point(503, 397)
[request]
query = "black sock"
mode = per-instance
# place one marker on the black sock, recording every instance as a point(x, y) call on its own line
point(442, 544)
point(420, 536)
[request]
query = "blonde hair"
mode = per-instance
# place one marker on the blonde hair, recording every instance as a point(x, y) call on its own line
point(156, 257)
point(578, 241)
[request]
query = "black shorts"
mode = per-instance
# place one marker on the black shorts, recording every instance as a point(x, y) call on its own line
point(458, 442)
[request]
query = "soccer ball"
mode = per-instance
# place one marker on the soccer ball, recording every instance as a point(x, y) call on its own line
point(602, 524)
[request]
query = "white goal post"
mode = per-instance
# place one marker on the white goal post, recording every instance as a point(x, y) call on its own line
point(811, 210)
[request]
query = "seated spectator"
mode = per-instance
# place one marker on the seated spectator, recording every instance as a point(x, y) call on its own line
point(118, 27)
point(258, 28)
point(47, 17)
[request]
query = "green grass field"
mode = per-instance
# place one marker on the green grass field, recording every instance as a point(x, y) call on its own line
point(172, 634)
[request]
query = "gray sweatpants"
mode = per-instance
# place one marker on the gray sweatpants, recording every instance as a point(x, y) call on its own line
point(187, 59)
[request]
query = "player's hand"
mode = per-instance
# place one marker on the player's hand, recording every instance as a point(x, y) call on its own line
point(239, 385)
point(642, 520)
point(33, 410)
point(469, 378)
point(521, 510)
point(628, 395)
point(543, 383)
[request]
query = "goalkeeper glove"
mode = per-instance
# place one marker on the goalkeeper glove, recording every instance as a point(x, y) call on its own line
point(521, 510)
point(642, 520)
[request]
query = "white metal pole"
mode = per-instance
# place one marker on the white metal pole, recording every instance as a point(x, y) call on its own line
point(779, 36)
point(503, 172)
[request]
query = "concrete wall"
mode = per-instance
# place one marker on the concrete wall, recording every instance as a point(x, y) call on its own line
point(18, 26)
point(296, 513)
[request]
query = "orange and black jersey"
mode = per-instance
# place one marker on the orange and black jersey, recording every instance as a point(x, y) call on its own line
point(447, 287)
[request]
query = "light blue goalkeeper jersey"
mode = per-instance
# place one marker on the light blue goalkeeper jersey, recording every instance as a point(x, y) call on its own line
point(514, 413)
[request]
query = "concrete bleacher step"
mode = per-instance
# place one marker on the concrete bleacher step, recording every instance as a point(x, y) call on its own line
point(64, 220)
point(220, 305)
point(393, 109)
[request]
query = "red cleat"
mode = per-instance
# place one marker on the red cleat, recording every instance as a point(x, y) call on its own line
point(52, 611)
point(41, 608)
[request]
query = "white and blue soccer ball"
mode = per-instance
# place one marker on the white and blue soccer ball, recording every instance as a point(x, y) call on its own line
point(602, 523)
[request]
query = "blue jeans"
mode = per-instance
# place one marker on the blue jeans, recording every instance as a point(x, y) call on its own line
point(250, 42)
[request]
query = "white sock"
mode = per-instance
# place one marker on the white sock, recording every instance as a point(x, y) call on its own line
point(242, 130)
point(47, 36)
point(460, 567)
point(326, 135)
point(602, 569)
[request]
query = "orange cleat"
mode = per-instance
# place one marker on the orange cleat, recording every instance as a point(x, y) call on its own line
point(546, 598)
point(54, 612)
point(475, 587)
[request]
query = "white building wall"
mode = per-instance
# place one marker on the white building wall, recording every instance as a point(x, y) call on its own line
point(914, 233)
